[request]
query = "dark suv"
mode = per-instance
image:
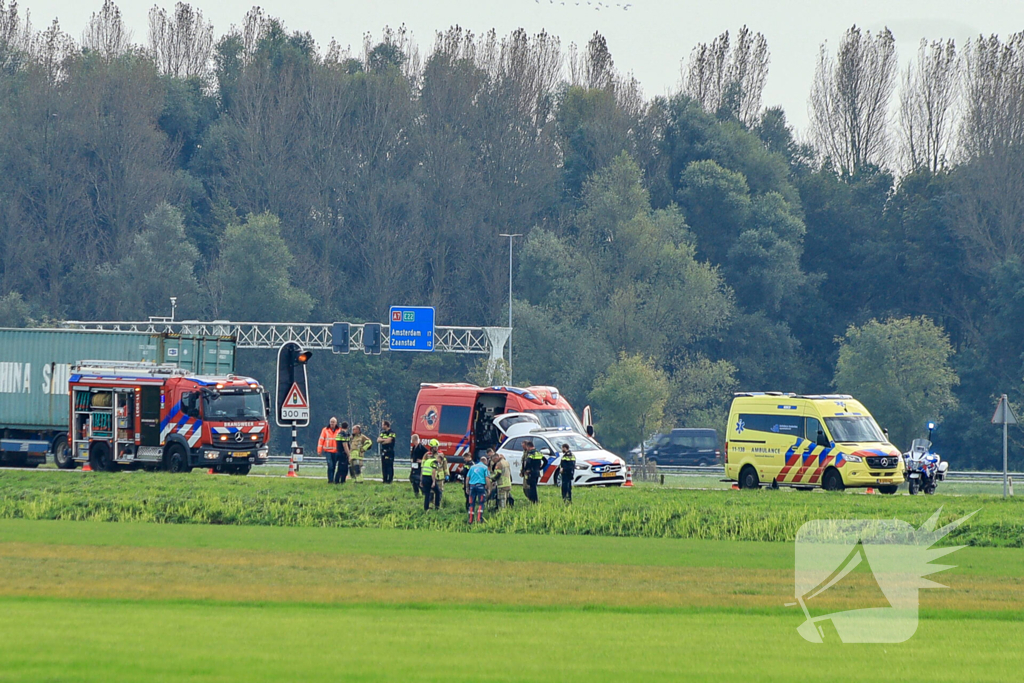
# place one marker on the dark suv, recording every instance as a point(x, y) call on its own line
point(687, 447)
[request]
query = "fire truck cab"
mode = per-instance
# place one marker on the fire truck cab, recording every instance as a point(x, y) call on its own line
point(160, 416)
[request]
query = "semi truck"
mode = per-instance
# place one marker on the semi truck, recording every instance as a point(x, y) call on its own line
point(35, 366)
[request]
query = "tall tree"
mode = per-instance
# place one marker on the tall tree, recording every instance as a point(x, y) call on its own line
point(631, 397)
point(729, 78)
point(160, 264)
point(993, 95)
point(900, 370)
point(106, 33)
point(182, 42)
point(850, 100)
point(15, 37)
point(252, 279)
point(927, 109)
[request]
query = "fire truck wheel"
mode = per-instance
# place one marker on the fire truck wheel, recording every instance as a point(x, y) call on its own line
point(62, 454)
point(99, 458)
point(176, 459)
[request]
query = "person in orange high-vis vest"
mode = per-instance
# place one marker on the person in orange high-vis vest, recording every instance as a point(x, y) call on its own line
point(328, 447)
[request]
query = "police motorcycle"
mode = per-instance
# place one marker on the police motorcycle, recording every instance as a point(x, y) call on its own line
point(924, 469)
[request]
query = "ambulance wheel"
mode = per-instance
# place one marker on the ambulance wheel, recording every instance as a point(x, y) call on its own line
point(748, 478)
point(832, 481)
point(176, 459)
point(62, 454)
point(100, 459)
point(887, 490)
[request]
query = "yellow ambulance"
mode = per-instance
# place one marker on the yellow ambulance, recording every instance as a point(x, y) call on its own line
point(831, 441)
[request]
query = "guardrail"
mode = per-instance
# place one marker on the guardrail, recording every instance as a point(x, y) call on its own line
point(985, 477)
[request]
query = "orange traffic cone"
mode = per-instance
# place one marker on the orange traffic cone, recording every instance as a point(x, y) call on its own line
point(86, 467)
point(869, 490)
point(629, 476)
point(735, 487)
point(210, 471)
point(291, 468)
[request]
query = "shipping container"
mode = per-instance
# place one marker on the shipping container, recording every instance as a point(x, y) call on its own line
point(35, 365)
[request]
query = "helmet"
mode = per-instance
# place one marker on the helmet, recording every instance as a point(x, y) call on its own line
point(434, 443)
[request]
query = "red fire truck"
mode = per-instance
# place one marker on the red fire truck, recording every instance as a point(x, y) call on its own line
point(160, 416)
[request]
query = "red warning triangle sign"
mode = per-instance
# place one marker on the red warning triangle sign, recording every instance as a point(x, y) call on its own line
point(295, 399)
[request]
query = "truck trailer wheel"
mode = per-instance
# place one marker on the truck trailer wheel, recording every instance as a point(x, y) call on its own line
point(100, 459)
point(176, 459)
point(62, 454)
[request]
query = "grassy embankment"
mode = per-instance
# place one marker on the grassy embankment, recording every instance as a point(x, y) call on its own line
point(641, 512)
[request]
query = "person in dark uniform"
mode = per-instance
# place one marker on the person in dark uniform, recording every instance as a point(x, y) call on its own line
point(568, 473)
point(416, 453)
point(387, 452)
point(343, 437)
point(533, 461)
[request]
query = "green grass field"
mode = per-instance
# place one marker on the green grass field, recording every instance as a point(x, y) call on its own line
point(259, 598)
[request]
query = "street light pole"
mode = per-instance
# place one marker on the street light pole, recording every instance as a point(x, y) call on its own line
point(510, 237)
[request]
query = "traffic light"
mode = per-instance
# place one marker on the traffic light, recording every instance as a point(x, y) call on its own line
point(339, 337)
point(371, 338)
point(292, 383)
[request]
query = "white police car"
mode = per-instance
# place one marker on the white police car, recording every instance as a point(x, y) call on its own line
point(594, 465)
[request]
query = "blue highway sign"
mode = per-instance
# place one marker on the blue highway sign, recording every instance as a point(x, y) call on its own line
point(412, 328)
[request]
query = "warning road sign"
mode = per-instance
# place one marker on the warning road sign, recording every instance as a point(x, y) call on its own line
point(1004, 413)
point(295, 407)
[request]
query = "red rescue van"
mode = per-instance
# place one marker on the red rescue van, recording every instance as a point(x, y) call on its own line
point(465, 418)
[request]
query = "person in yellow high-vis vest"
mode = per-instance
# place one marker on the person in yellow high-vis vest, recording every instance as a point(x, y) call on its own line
point(433, 470)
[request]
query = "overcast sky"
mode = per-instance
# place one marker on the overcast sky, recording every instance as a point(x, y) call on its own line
point(649, 38)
